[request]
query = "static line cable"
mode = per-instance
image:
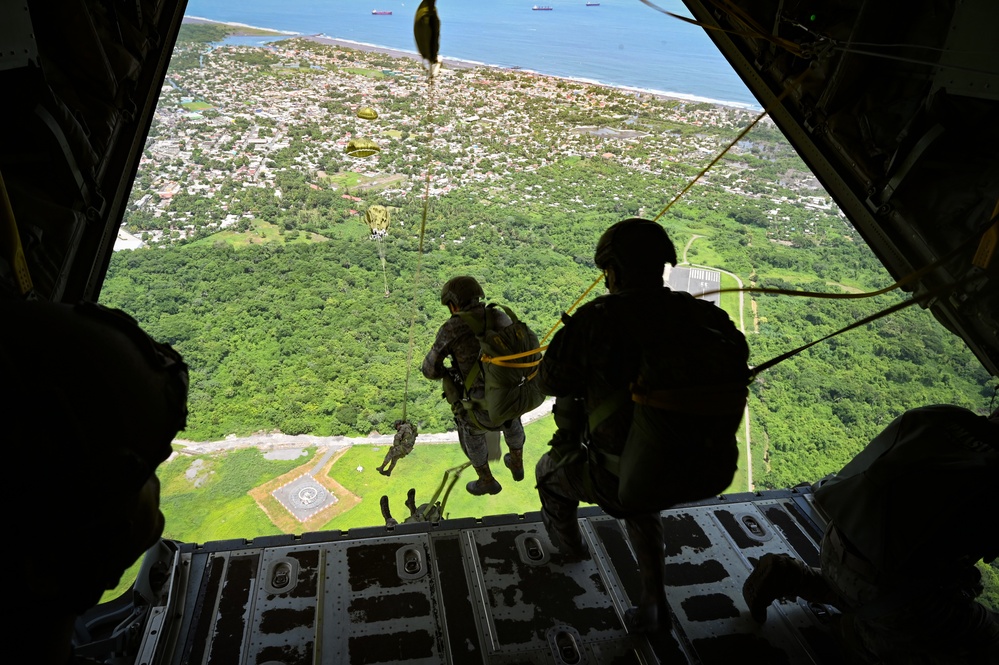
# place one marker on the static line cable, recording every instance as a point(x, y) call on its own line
point(685, 189)
point(986, 240)
point(423, 229)
point(861, 48)
point(676, 198)
point(867, 319)
point(10, 244)
point(915, 61)
point(754, 30)
point(505, 361)
point(544, 339)
point(381, 255)
point(447, 484)
point(731, 144)
point(710, 164)
point(856, 324)
point(983, 238)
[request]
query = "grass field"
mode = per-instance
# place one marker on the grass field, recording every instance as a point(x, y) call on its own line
point(348, 179)
point(227, 495)
point(260, 233)
point(370, 73)
point(423, 470)
point(208, 497)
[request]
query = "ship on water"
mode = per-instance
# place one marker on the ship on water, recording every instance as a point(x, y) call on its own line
point(541, 8)
point(592, 4)
point(381, 12)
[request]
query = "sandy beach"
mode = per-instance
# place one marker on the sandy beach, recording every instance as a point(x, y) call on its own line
point(242, 29)
point(451, 63)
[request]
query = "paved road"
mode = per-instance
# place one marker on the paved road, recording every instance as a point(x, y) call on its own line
point(278, 441)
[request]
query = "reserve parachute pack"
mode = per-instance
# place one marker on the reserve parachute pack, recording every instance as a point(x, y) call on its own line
point(689, 398)
point(508, 363)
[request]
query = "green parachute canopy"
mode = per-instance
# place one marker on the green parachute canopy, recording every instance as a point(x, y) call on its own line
point(367, 113)
point(427, 31)
point(377, 219)
point(362, 148)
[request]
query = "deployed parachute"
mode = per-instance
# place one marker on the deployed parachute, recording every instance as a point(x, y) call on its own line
point(427, 31)
point(362, 148)
point(367, 113)
point(377, 219)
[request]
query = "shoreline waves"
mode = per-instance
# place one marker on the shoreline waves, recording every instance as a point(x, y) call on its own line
point(462, 63)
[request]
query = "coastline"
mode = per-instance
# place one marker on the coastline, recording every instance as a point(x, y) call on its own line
point(240, 26)
point(460, 63)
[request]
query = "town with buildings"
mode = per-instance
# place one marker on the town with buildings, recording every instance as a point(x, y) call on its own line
point(238, 127)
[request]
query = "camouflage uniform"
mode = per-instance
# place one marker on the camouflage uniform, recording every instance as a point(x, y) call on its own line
point(404, 440)
point(456, 340)
point(422, 513)
point(904, 570)
point(402, 445)
point(914, 621)
point(595, 356)
point(903, 574)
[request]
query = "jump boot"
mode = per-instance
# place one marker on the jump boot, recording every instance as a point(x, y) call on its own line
point(486, 484)
point(565, 536)
point(652, 613)
point(514, 460)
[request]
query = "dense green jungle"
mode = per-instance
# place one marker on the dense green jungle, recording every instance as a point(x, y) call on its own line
point(297, 319)
point(301, 337)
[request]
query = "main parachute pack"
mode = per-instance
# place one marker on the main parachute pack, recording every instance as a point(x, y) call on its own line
point(688, 399)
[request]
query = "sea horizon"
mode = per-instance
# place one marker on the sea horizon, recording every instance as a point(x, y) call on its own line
point(685, 66)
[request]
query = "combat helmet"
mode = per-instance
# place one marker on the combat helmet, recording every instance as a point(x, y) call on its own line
point(635, 245)
point(461, 291)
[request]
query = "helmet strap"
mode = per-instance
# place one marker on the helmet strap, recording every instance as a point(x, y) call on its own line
point(612, 278)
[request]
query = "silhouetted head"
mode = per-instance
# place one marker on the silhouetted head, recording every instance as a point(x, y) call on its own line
point(94, 408)
point(636, 251)
point(461, 292)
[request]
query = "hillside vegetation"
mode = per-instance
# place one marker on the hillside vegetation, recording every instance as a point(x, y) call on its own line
point(283, 316)
point(301, 337)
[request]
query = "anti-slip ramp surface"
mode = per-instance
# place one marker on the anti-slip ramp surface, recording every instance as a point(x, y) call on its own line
point(490, 591)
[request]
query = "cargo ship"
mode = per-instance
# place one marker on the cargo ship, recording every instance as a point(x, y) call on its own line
point(381, 12)
point(592, 4)
point(539, 8)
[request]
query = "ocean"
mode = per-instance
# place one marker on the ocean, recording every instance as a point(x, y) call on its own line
point(619, 42)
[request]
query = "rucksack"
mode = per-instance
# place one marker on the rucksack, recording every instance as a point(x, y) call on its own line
point(689, 398)
point(510, 389)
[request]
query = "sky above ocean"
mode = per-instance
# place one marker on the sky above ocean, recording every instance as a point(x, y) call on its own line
point(619, 42)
